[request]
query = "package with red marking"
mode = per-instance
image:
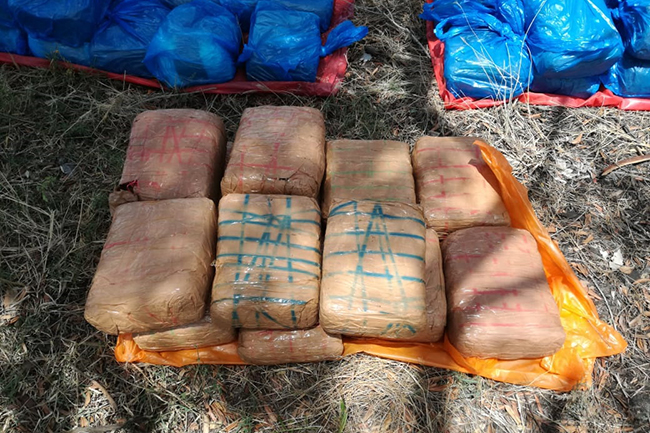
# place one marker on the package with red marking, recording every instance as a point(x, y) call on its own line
point(455, 186)
point(378, 170)
point(283, 347)
point(500, 303)
point(193, 336)
point(155, 270)
point(173, 154)
point(277, 150)
point(268, 263)
point(374, 270)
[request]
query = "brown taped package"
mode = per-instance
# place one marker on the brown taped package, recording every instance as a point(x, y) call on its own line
point(373, 271)
point(500, 304)
point(173, 154)
point(196, 335)
point(368, 170)
point(277, 150)
point(456, 188)
point(155, 269)
point(266, 347)
point(268, 262)
point(436, 300)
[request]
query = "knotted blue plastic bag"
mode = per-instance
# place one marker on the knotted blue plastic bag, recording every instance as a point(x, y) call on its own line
point(577, 87)
point(69, 22)
point(633, 17)
point(629, 78)
point(571, 38)
point(122, 40)
point(198, 43)
point(12, 38)
point(483, 57)
point(244, 9)
point(55, 51)
point(285, 45)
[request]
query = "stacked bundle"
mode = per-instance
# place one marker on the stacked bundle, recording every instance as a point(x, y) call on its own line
point(382, 263)
point(499, 303)
point(154, 274)
point(180, 42)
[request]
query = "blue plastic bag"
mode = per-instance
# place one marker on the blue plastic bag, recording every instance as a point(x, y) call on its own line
point(244, 9)
point(576, 87)
point(286, 45)
point(69, 22)
point(571, 38)
point(173, 3)
point(198, 43)
point(633, 17)
point(512, 13)
point(507, 11)
point(629, 78)
point(12, 38)
point(483, 57)
point(440, 10)
point(55, 51)
point(122, 40)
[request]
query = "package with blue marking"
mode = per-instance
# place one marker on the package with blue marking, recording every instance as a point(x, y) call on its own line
point(268, 263)
point(571, 38)
point(122, 40)
point(68, 22)
point(484, 57)
point(286, 45)
point(629, 78)
point(12, 38)
point(374, 272)
point(187, 51)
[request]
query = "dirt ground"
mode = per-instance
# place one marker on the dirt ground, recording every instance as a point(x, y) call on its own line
point(63, 137)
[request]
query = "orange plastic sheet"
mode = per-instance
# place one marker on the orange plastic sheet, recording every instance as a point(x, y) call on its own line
point(587, 336)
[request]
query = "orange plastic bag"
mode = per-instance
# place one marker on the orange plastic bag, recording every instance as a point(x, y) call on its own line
point(587, 336)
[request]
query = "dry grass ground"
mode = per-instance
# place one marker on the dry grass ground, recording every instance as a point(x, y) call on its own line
point(63, 137)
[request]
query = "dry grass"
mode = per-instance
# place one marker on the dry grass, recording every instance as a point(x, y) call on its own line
point(62, 141)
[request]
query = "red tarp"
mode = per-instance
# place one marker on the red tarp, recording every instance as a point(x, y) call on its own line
point(603, 98)
point(330, 72)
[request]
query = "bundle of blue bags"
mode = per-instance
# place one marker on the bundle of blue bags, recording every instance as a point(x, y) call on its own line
point(180, 42)
point(499, 49)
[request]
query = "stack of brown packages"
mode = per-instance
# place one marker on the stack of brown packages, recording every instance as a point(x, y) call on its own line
point(499, 302)
point(380, 278)
point(268, 264)
point(155, 271)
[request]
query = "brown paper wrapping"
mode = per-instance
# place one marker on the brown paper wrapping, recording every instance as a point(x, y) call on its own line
point(455, 186)
point(173, 154)
point(277, 150)
point(436, 300)
point(196, 335)
point(377, 170)
point(499, 301)
point(154, 271)
point(268, 262)
point(267, 347)
point(373, 271)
